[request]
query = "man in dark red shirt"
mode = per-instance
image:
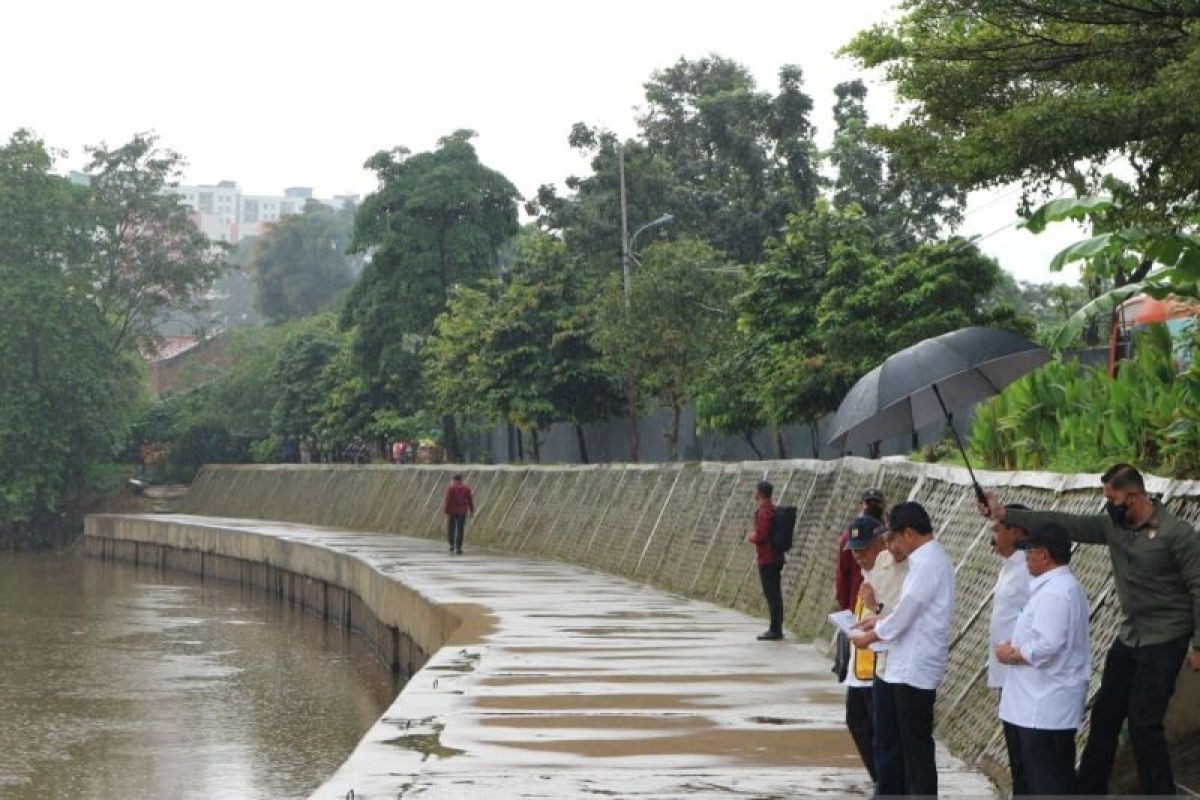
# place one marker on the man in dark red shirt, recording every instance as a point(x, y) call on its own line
point(849, 576)
point(459, 501)
point(770, 563)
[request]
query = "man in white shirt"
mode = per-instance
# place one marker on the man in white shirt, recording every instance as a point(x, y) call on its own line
point(1009, 597)
point(916, 636)
point(1046, 689)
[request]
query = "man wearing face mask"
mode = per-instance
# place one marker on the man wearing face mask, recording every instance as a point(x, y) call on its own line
point(1156, 567)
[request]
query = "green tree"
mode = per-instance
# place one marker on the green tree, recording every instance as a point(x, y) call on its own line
point(146, 256)
point(679, 313)
point(299, 266)
point(903, 207)
point(831, 301)
point(726, 159)
point(520, 349)
point(727, 400)
point(298, 373)
point(436, 221)
point(794, 377)
point(64, 392)
point(1043, 91)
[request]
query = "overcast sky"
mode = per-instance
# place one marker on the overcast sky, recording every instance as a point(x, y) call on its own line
point(274, 94)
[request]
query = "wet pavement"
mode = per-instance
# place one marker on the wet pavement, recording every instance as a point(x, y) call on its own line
point(568, 683)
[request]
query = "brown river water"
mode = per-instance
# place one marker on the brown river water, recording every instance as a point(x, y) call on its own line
point(119, 681)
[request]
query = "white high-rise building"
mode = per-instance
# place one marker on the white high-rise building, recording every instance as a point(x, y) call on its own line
point(224, 214)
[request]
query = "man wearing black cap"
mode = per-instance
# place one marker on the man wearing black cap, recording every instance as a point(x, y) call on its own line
point(865, 544)
point(1156, 568)
point(1051, 664)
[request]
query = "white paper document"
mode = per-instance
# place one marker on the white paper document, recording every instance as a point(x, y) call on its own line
point(844, 621)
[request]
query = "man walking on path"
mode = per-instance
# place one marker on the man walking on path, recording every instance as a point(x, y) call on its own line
point(917, 638)
point(1008, 598)
point(1156, 568)
point(459, 501)
point(1050, 664)
point(770, 563)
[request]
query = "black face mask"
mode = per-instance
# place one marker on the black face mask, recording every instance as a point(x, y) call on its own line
point(1119, 513)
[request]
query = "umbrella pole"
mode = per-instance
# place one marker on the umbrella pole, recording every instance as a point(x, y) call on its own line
point(978, 489)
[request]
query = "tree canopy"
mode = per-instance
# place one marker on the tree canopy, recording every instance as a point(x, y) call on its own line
point(1042, 91)
point(299, 266)
point(437, 220)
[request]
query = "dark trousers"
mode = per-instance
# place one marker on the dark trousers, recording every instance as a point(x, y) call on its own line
point(904, 749)
point(773, 591)
point(1047, 760)
point(1137, 685)
point(456, 524)
point(1016, 764)
point(860, 722)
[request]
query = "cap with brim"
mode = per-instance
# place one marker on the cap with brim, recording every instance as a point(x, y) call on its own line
point(872, 494)
point(863, 531)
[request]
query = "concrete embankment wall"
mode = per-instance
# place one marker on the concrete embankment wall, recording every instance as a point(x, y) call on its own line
point(682, 527)
point(400, 625)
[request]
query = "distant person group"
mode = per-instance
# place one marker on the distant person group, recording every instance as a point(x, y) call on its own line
point(897, 581)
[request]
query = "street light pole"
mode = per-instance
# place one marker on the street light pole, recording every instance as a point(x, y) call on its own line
point(627, 261)
point(626, 268)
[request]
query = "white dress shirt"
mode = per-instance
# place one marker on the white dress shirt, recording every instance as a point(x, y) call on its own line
point(1011, 595)
point(917, 632)
point(1049, 691)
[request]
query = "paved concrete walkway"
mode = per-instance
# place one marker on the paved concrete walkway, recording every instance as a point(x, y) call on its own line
point(573, 684)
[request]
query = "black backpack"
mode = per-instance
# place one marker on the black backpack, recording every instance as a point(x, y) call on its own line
point(783, 527)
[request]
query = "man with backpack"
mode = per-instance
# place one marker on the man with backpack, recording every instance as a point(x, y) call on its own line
point(770, 561)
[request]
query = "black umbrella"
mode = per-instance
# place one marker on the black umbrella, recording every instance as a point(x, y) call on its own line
point(923, 383)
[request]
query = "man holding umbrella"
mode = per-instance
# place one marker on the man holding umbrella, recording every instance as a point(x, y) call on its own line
point(1156, 567)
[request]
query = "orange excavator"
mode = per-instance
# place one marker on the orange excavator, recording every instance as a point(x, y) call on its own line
point(1180, 316)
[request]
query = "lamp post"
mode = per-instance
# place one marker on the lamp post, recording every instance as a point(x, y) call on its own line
point(627, 260)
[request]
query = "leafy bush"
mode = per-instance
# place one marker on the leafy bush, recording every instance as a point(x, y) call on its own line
point(1069, 418)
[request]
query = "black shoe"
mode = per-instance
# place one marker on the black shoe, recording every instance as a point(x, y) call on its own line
point(769, 636)
point(459, 552)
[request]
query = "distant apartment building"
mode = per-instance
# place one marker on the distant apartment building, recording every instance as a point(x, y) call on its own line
point(224, 214)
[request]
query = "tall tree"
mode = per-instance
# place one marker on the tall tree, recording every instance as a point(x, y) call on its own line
point(1042, 91)
point(436, 220)
point(726, 159)
point(679, 312)
point(147, 255)
point(520, 348)
point(63, 390)
point(299, 265)
point(832, 300)
point(902, 206)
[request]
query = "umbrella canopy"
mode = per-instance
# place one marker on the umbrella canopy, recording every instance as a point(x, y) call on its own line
point(923, 383)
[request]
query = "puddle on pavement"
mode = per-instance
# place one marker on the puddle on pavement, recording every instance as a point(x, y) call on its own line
point(777, 748)
point(564, 702)
point(603, 721)
point(477, 623)
point(550, 677)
